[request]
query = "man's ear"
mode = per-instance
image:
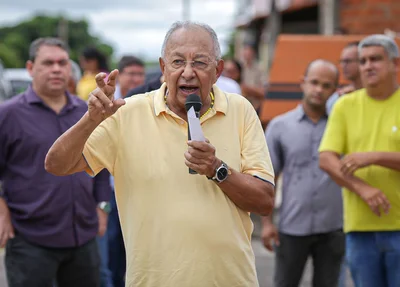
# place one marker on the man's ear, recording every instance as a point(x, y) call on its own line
point(219, 68)
point(302, 82)
point(29, 67)
point(396, 63)
point(162, 65)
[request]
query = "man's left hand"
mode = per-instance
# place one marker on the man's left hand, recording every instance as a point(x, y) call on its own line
point(352, 162)
point(103, 219)
point(200, 157)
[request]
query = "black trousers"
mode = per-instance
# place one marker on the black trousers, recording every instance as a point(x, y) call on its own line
point(326, 250)
point(36, 266)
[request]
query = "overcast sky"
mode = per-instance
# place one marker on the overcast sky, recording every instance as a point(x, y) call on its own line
point(130, 26)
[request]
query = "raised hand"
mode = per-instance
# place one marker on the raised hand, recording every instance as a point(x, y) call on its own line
point(101, 102)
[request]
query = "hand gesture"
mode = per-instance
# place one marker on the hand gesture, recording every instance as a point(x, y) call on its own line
point(375, 199)
point(101, 101)
point(270, 236)
point(200, 157)
point(352, 162)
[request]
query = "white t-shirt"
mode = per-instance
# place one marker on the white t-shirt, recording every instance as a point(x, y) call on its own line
point(228, 85)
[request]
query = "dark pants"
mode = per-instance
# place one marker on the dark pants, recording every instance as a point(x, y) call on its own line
point(116, 248)
point(327, 251)
point(36, 266)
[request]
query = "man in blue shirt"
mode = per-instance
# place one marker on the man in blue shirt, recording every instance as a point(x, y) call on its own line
point(310, 219)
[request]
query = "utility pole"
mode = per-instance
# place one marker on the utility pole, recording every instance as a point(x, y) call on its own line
point(63, 29)
point(327, 16)
point(273, 28)
point(186, 10)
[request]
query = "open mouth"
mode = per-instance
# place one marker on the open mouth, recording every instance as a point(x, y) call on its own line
point(189, 89)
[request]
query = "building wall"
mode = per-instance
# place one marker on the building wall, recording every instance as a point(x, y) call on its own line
point(369, 16)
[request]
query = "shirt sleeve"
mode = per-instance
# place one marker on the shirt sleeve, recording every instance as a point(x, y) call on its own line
point(335, 135)
point(272, 136)
point(102, 188)
point(256, 160)
point(101, 148)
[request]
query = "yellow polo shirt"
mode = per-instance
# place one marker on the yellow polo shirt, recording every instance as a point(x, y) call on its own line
point(358, 123)
point(180, 230)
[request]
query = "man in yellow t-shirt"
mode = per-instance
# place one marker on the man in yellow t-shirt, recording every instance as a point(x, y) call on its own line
point(179, 229)
point(364, 128)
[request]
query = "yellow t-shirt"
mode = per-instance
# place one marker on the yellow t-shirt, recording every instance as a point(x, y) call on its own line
point(359, 123)
point(180, 230)
point(86, 85)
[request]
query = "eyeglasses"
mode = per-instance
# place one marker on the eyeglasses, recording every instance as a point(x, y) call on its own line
point(347, 61)
point(197, 64)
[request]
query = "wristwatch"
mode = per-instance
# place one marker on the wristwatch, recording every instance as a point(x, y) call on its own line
point(221, 173)
point(105, 206)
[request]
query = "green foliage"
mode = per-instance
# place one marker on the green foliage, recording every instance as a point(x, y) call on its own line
point(15, 41)
point(230, 53)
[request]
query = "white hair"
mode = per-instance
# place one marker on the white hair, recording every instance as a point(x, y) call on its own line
point(384, 41)
point(188, 25)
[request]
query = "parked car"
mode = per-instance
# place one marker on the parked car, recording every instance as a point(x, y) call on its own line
point(19, 80)
point(5, 87)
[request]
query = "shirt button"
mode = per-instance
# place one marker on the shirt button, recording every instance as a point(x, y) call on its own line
point(182, 122)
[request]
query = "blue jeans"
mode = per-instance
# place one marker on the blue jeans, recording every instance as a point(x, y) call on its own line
point(116, 248)
point(105, 273)
point(374, 258)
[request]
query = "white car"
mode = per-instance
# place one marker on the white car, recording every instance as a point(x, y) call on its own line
point(19, 80)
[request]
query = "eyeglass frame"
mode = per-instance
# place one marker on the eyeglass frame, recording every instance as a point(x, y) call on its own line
point(185, 62)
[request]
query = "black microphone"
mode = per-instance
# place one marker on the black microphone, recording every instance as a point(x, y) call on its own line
point(194, 101)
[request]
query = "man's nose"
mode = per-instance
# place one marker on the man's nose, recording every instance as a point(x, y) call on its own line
point(56, 67)
point(188, 71)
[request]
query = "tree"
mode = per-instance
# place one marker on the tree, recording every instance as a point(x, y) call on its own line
point(16, 39)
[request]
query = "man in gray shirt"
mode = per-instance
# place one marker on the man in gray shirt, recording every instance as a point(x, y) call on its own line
point(310, 222)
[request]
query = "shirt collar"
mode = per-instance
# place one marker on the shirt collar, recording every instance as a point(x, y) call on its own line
point(33, 98)
point(220, 102)
point(300, 114)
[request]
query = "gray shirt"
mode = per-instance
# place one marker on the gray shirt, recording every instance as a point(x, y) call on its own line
point(311, 201)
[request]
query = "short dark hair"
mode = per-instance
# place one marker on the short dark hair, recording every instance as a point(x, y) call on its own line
point(326, 62)
point(352, 44)
point(92, 53)
point(238, 66)
point(127, 61)
point(47, 41)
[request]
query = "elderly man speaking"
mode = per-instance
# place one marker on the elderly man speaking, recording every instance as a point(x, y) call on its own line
point(180, 229)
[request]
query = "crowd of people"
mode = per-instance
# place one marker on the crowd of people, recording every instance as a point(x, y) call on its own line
point(96, 189)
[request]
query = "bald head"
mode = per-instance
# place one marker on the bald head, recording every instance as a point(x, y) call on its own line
point(325, 65)
point(320, 82)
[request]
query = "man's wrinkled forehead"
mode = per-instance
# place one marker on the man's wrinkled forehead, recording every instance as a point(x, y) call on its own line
point(192, 37)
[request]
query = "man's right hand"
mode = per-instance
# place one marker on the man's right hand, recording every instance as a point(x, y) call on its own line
point(375, 199)
point(101, 102)
point(6, 228)
point(270, 236)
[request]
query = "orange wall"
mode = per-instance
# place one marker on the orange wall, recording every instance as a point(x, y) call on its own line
point(292, 55)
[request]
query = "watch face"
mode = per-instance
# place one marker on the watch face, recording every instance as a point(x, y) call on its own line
point(222, 173)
